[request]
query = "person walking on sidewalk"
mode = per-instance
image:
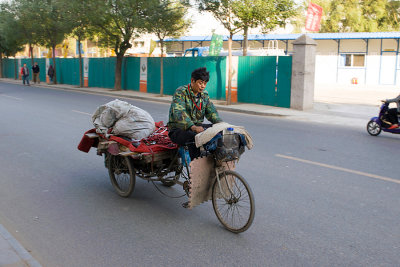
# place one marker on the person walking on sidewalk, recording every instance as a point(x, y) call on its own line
point(393, 113)
point(50, 73)
point(25, 74)
point(36, 72)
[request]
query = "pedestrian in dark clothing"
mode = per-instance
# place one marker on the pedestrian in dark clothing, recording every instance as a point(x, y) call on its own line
point(36, 71)
point(50, 72)
point(25, 74)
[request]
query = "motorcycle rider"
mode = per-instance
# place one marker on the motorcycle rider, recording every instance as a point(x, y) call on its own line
point(393, 112)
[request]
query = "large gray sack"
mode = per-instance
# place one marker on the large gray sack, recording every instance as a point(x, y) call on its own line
point(124, 119)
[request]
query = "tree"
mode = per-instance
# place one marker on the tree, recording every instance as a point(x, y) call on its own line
point(394, 14)
point(223, 11)
point(81, 23)
point(267, 14)
point(237, 15)
point(11, 36)
point(116, 23)
point(53, 24)
point(24, 15)
point(167, 20)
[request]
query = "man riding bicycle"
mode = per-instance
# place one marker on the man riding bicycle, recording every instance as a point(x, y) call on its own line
point(190, 104)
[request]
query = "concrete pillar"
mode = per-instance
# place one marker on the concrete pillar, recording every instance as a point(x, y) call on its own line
point(303, 73)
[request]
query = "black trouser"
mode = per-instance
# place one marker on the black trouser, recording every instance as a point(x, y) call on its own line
point(186, 138)
point(393, 115)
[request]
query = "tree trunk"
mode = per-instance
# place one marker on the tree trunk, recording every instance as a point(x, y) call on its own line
point(31, 52)
point(15, 69)
point(245, 40)
point(162, 68)
point(228, 100)
point(80, 63)
point(54, 64)
point(1, 65)
point(118, 70)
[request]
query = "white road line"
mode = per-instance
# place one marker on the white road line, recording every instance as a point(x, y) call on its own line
point(383, 178)
point(81, 112)
point(13, 97)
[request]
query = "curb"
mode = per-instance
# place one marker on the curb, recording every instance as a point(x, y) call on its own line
point(25, 256)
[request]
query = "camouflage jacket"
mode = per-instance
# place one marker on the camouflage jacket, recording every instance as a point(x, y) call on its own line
point(183, 113)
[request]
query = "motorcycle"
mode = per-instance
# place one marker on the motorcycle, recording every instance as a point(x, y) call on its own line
point(378, 124)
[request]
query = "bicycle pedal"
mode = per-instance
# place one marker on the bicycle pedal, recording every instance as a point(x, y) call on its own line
point(186, 187)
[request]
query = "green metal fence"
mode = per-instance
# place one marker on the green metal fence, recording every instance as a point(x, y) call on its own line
point(177, 72)
point(67, 70)
point(260, 80)
point(130, 73)
point(102, 72)
point(266, 79)
point(10, 68)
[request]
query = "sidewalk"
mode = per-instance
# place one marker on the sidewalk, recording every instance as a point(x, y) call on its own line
point(350, 106)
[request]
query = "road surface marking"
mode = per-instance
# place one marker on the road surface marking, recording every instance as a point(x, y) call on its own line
point(340, 169)
point(77, 111)
point(13, 97)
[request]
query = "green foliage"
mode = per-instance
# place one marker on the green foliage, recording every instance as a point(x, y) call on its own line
point(355, 15)
point(79, 18)
point(116, 22)
point(268, 14)
point(240, 15)
point(46, 21)
point(23, 14)
point(223, 11)
point(11, 32)
point(166, 18)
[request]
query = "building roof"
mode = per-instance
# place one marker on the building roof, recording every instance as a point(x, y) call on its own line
point(316, 36)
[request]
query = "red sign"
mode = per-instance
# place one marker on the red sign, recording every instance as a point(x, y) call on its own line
point(313, 19)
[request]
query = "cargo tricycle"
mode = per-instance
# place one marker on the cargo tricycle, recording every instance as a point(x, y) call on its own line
point(209, 177)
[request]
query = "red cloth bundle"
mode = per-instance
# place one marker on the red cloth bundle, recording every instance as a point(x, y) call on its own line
point(157, 141)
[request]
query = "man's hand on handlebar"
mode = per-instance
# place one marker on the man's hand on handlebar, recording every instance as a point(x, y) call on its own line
point(197, 129)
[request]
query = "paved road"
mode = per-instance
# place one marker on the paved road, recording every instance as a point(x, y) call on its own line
point(325, 195)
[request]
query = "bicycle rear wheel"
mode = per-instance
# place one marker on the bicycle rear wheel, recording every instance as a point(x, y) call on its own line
point(233, 201)
point(122, 174)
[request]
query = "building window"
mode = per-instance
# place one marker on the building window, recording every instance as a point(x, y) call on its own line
point(352, 60)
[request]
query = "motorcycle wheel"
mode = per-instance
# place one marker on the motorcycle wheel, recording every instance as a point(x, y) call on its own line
point(373, 128)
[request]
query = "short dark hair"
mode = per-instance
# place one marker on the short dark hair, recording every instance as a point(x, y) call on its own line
point(201, 74)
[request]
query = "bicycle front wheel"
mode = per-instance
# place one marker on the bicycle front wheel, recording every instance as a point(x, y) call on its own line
point(233, 201)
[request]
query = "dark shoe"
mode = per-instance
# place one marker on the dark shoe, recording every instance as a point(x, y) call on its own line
point(185, 205)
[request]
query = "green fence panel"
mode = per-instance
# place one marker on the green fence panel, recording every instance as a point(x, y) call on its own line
point(177, 72)
point(153, 75)
point(256, 80)
point(102, 72)
point(284, 81)
point(131, 73)
point(10, 66)
point(67, 70)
